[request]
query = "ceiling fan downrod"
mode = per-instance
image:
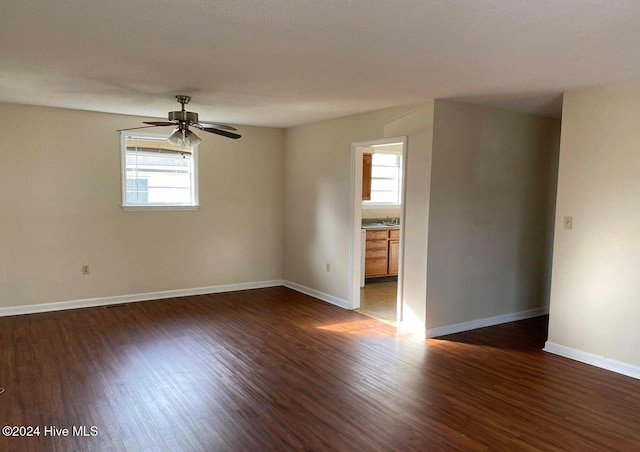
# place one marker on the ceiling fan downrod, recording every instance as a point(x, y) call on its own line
point(183, 100)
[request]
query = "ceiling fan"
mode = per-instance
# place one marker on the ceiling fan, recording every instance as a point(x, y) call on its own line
point(182, 120)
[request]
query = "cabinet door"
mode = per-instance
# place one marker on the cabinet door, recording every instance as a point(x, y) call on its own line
point(375, 267)
point(366, 177)
point(394, 248)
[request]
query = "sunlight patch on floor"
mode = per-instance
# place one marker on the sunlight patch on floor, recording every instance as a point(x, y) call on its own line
point(377, 317)
point(368, 327)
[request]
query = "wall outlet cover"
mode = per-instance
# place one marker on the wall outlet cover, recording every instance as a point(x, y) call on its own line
point(568, 223)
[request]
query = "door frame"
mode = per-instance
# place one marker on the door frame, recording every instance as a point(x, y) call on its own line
point(355, 264)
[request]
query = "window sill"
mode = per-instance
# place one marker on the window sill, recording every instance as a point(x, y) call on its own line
point(159, 208)
point(381, 205)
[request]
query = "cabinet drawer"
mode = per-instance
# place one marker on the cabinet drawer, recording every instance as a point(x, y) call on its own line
point(380, 253)
point(394, 233)
point(376, 235)
point(375, 267)
point(377, 244)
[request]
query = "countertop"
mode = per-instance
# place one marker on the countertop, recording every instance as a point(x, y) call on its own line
point(380, 226)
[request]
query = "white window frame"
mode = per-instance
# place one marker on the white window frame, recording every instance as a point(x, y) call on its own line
point(156, 206)
point(376, 205)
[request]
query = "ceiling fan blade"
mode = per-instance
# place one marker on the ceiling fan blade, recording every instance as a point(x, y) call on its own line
point(224, 133)
point(134, 128)
point(159, 123)
point(184, 119)
point(216, 125)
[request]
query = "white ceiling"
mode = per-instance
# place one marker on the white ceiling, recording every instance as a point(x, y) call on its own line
point(288, 62)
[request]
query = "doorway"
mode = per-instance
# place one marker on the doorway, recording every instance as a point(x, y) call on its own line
point(377, 207)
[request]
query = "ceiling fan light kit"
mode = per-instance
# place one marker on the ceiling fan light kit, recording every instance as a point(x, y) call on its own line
point(182, 120)
point(184, 137)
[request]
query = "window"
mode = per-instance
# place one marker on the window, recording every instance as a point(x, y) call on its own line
point(386, 179)
point(157, 174)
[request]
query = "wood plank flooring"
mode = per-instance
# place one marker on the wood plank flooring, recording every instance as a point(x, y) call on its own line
point(272, 369)
point(379, 300)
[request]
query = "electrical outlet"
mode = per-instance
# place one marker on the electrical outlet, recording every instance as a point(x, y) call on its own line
point(328, 267)
point(85, 269)
point(568, 223)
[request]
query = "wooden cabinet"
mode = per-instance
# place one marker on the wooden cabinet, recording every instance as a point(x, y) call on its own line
point(381, 255)
point(394, 248)
point(366, 177)
point(377, 252)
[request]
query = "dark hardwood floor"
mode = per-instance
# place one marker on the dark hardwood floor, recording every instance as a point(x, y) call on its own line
point(272, 369)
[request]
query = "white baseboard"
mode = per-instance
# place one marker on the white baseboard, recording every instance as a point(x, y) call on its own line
point(416, 330)
point(317, 294)
point(105, 301)
point(594, 360)
point(488, 321)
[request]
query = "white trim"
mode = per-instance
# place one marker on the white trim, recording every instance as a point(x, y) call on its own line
point(594, 360)
point(355, 234)
point(355, 208)
point(105, 301)
point(195, 187)
point(195, 178)
point(158, 208)
point(482, 323)
point(414, 329)
point(316, 294)
point(403, 210)
point(379, 205)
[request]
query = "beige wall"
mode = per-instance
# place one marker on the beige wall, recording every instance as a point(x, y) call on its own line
point(276, 205)
point(491, 216)
point(318, 171)
point(60, 195)
point(417, 125)
point(595, 297)
point(480, 248)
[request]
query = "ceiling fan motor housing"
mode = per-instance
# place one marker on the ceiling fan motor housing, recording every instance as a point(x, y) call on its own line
point(183, 116)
